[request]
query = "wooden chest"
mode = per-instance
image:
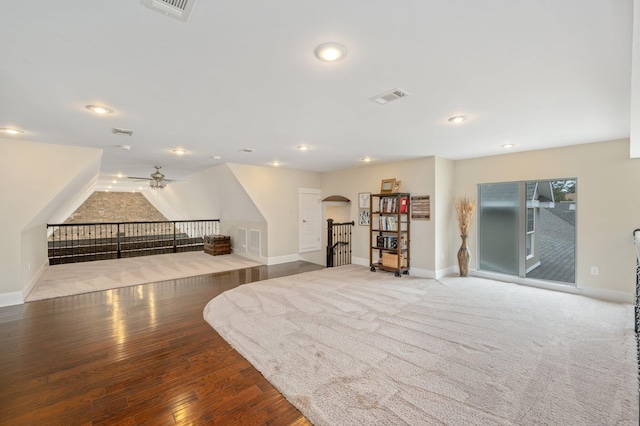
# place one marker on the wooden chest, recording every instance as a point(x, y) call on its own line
point(216, 245)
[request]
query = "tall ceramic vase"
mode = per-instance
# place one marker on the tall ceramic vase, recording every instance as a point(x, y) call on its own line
point(463, 257)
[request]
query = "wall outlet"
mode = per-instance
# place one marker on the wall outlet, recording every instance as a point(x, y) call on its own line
point(594, 270)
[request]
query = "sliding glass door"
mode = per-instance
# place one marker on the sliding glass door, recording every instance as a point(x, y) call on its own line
point(528, 229)
point(498, 231)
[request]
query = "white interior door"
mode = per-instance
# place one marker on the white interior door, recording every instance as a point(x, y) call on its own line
point(309, 226)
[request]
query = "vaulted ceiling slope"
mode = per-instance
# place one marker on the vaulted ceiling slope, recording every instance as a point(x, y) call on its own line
point(242, 74)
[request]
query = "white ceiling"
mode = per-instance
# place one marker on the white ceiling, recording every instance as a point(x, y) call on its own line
point(242, 73)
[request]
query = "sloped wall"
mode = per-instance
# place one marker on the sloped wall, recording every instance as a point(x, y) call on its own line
point(214, 193)
point(43, 179)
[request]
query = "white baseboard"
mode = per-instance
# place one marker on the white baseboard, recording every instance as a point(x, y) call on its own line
point(34, 280)
point(360, 261)
point(11, 298)
point(259, 259)
point(609, 295)
point(276, 260)
point(422, 273)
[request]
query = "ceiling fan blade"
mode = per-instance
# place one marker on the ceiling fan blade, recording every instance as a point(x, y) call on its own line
point(138, 178)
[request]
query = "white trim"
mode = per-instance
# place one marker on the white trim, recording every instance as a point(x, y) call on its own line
point(276, 260)
point(530, 282)
point(260, 259)
point(609, 295)
point(11, 298)
point(423, 273)
point(446, 271)
point(360, 261)
point(34, 279)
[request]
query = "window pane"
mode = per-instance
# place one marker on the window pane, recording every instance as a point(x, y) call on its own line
point(554, 245)
point(498, 227)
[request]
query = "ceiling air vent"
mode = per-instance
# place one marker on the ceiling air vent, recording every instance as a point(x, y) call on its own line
point(179, 9)
point(389, 96)
point(119, 131)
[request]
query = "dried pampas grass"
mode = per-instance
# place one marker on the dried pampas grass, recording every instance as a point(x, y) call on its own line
point(465, 207)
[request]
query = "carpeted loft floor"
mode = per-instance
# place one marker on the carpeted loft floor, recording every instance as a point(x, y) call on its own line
point(348, 346)
point(85, 277)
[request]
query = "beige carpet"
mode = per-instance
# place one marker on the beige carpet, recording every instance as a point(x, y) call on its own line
point(85, 277)
point(348, 346)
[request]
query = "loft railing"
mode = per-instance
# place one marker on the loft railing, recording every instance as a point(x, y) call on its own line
point(338, 243)
point(83, 242)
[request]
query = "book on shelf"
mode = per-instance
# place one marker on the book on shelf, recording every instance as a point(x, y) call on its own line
point(404, 203)
point(388, 223)
point(388, 205)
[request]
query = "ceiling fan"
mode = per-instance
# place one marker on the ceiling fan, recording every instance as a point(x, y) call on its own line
point(156, 181)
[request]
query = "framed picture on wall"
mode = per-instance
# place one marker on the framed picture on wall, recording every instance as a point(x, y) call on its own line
point(364, 200)
point(364, 217)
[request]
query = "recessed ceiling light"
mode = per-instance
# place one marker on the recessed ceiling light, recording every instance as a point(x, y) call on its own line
point(303, 147)
point(127, 147)
point(114, 181)
point(216, 157)
point(367, 159)
point(119, 175)
point(140, 188)
point(458, 119)
point(507, 145)
point(10, 131)
point(109, 186)
point(331, 52)
point(179, 151)
point(275, 163)
point(98, 109)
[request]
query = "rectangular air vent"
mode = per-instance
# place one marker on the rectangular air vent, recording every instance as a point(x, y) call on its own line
point(119, 131)
point(179, 9)
point(389, 96)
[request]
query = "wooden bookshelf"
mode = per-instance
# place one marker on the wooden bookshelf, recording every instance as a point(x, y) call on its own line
point(389, 233)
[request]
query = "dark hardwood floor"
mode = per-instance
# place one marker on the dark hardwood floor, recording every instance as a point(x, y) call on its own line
point(132, 356)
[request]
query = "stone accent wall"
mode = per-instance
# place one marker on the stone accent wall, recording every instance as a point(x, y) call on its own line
point(115, 207)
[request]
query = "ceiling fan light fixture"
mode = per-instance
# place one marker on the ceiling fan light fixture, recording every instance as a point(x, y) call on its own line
point(99, 109)
point(330, 52)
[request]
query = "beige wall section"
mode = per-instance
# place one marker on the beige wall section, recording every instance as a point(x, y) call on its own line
point(45, 180)
point(607, 206)
point(442, 213)
point(275, 193)
point(418, 178)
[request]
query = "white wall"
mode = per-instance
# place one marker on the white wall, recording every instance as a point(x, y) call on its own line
point(608, 205)
point(41, 180)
